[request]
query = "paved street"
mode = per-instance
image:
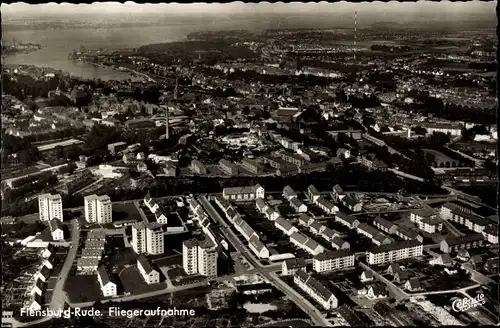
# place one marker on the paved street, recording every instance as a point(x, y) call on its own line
point(145, 295)
point(304, 304)
point(141, 212)
point(59, 296)
point(449, 291)
point(406, 175)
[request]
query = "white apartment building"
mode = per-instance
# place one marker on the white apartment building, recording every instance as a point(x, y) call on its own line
point(207, 259)
point(56, 230)
point(139, 238)
point(98, 209)
point(394, 252)
point(290, 266)
point(190, 256)
point(50, 207)
point(427, 220)
point(416, 216)
point(108, 286)
point(490, 233)
point(200, 257)
point(463, 216)
point(259, 249)
point(316, 290)
point(154, 239)
point(150, 275)
point(250, 193)
point(446, 128)
point(333, 260)
point(148, 238)
point(326, 205)
point(430, 225)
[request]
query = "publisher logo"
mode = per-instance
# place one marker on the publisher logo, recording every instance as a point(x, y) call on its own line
point(464, 304)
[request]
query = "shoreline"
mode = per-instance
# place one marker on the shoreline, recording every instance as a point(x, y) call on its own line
point(125, 69)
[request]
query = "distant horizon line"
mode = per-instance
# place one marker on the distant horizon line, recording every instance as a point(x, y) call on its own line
point(419, 8)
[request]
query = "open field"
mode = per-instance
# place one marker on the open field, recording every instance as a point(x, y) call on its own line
point(125, 212)
point(83, 288)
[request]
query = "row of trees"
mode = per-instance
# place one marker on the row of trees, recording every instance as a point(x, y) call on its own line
point(70, 132)
point(30, 188)
point(427, 104)
point(31, 178)
point(97, 140)
point(23, 150)
point(18, 207)
point(412, 147)
point(350, 175)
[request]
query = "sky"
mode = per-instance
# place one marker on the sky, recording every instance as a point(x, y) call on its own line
point(391, 8)
point(444, 14)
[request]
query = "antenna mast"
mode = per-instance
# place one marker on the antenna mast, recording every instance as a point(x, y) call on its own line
point(355, 33)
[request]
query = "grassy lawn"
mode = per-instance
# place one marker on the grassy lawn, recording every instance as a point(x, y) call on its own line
point(175, 273)
point(174, 259)
point(187, 280)
point(51, 283)
point(118, 259)
point(83, 288)
point(125, 212)
point(116, 241)
point(134, 283)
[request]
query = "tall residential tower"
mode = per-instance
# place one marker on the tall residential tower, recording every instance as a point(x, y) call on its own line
point(50, 207)
point(98, 209)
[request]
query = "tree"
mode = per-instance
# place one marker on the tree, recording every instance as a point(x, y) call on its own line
point(72, 152)
point(438, 139)
point(69, 168)
point(59, 152)
point(430, 157)
point(419, 130)
point(29, 155)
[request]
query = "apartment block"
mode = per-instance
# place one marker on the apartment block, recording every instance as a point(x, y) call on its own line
point(50, 207)
point(200, 257)
point(250, 193)
point(148, 238)
point(56, 230)
point(150, 275)
point(98, 209)
point(106, 281)
point(394, 252)
point(454, 244)
point(155, 239)
point(333, 260)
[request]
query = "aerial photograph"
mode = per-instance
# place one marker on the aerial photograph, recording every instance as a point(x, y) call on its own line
point(249, 165)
